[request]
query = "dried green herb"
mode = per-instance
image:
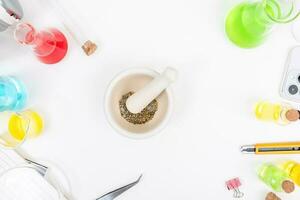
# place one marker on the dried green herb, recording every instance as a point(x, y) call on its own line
point(143, 117)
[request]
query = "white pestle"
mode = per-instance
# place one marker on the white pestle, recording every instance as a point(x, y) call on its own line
point(142, 98)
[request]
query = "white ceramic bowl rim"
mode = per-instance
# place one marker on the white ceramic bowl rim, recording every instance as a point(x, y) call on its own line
point(115, 80)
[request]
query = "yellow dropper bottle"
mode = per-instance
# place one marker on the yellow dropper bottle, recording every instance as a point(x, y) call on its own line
point(292, 168)
point(267, 111)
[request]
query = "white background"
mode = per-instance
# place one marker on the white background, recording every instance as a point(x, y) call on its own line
point(217, 88)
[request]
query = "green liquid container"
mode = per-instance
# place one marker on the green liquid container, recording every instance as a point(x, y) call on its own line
point(272, 176)
point(249, 23)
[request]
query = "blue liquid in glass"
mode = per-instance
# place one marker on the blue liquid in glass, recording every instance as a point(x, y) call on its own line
point(12, 94)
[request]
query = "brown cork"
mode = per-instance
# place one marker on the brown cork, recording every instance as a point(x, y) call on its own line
point(292, 115)
point(272, 196)
point(288, 186)
point(89, 47)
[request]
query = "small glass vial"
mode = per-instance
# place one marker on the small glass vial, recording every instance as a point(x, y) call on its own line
point(50, 46)
point(13, 95)
point(276, 178)
point(292, 168)
point(267, 111)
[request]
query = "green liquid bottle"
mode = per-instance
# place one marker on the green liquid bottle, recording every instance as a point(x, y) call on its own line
point(276, 178)
point(248, 24)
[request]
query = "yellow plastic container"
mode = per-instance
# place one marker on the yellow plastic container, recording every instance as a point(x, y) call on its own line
point(267, 111)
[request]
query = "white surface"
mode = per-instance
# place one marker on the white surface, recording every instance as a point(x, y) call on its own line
point(199, 149)
point(9, 159)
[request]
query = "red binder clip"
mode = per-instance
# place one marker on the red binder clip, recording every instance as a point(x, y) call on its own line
point(234, 185)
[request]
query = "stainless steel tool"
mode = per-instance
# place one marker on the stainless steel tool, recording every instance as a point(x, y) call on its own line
point(113, 194)
point(10, 12)
point(42, 170)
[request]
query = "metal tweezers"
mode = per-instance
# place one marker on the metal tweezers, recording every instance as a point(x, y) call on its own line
point(113, 194)
point(109, 196)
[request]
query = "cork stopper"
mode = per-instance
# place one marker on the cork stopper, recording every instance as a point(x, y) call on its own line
point(292, 115)
point(288, 186)
point(272, 196)
point(89, 47)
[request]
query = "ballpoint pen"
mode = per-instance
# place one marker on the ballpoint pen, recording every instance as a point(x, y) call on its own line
point(272, 148)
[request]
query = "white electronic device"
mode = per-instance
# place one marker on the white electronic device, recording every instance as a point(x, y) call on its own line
point(290, 85)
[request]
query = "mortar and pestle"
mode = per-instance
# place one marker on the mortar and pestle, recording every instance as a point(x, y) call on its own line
point(139, 101)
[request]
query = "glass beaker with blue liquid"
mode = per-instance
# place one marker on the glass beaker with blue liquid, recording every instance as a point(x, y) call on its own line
point(13, 95)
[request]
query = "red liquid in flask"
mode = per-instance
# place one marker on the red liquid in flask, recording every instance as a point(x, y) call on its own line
point(50, 46)
point(56, 47)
